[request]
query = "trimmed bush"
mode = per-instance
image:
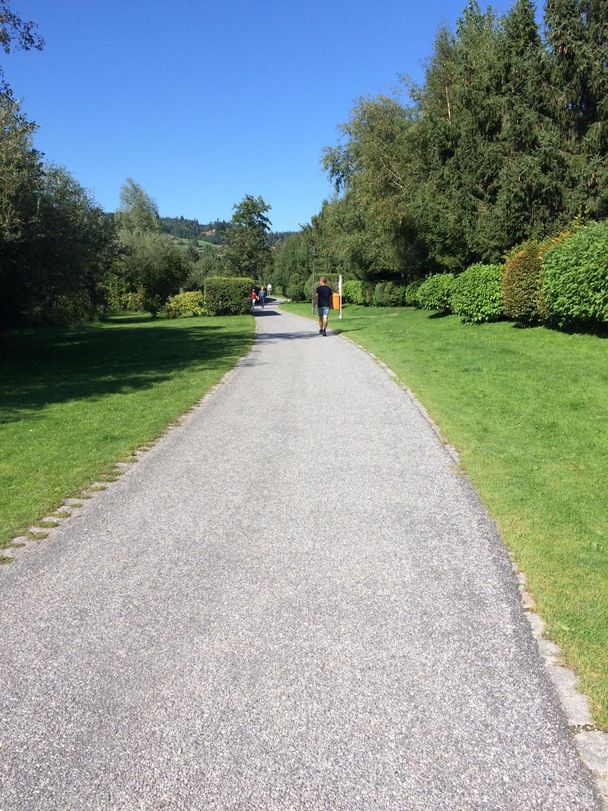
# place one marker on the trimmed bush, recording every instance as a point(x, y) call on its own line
point(522, 289)
point(394, 294)
point(355, 292)
point(575, 277)
point(434, 293)
point(186, 304)
point(295, 288)
point(521, 282)
point(477, 295)
point(378, 297)
point(228, 295)
point(411, 293)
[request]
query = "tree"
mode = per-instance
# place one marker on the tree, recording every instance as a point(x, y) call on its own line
point(248, 252)
point(20, 170)
point(137, 211)
point(152, 263)
point(577, 36)
point(73, 250)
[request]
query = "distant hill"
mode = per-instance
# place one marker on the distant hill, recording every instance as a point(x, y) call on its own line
point(215, 232)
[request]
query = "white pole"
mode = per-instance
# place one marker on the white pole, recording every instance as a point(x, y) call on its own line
point(340, 294)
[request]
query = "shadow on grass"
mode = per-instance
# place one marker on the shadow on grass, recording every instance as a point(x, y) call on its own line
point(42, 367)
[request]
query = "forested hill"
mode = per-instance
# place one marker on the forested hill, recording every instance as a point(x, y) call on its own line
point(215, 232)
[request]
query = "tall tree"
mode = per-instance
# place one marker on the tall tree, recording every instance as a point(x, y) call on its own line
point(577, 35)
point(20, 172)
point(138, 211)
point(248, 252)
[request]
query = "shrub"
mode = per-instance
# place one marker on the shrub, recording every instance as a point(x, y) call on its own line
point(67, 308)
point(476, 295)
point(521, 282)
point(295, 288)
point(355, 292)
point(411, 293)
point(378, 298)
point(121, 300)
point(228, 295)
point(186, 304)
point(522, 288)
point(575, 277)
point(435, 291)
point(394, 294)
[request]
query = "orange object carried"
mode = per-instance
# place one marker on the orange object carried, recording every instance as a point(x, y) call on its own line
point(335, 301)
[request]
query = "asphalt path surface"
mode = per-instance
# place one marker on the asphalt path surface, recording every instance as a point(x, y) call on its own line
point(293, 601)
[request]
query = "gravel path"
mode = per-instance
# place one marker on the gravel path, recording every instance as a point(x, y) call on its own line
point(293, 601)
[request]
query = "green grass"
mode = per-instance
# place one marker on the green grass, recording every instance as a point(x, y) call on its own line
point(528, 411)
point(73, 402)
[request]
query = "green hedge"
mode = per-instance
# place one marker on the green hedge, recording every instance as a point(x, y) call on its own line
point(394, 294)
point(356, 292)
point(521, 282)
point(575, 277)
point(411, 293)
point(435, 292)
point(228, 295)
point(477, 294)
point(295, 288)
point(378, 294)
point(186, 304)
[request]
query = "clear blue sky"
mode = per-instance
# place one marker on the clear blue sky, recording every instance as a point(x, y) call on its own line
point(202, 103)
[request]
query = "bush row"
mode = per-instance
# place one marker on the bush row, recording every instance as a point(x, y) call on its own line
point(221, 295)
point(561, 281)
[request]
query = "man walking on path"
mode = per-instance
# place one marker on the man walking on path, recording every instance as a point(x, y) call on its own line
point(262, 296)
point(323, 302)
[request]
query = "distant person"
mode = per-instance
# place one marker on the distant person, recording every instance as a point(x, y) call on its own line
point(269, 289)
point(254, 297)
point(262, 296)
point(323, 302)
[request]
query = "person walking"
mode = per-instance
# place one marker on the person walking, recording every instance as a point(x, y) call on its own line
point(323, 302)
point(262, 296)
point(254, 297)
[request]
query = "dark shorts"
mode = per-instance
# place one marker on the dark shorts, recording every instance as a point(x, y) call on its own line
point(323, 312)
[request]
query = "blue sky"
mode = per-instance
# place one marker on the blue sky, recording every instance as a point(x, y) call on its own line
point(202, 103)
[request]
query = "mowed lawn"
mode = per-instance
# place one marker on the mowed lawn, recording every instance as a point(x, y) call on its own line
point(527, 410)
point(73, 402)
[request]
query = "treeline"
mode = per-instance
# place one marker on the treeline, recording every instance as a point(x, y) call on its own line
point(63, 260)
point(505, 141)
point(215, 232)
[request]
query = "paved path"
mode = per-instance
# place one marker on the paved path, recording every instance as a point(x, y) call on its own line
point(246, 621)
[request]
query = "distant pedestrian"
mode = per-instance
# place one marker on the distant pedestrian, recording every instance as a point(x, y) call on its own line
point(269, 289)
point(323, 302)
point(262, 296)
point(254, 297)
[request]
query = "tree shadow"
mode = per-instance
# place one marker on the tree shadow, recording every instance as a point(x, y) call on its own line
point(47, 366)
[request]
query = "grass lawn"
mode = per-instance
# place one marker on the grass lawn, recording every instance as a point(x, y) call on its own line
point(73, 402)
point(528, 411)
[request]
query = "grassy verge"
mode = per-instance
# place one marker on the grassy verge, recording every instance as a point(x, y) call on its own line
point(528, 412)
point(73, 402)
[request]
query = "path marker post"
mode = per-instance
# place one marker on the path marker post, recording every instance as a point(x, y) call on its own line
point(340, 294)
